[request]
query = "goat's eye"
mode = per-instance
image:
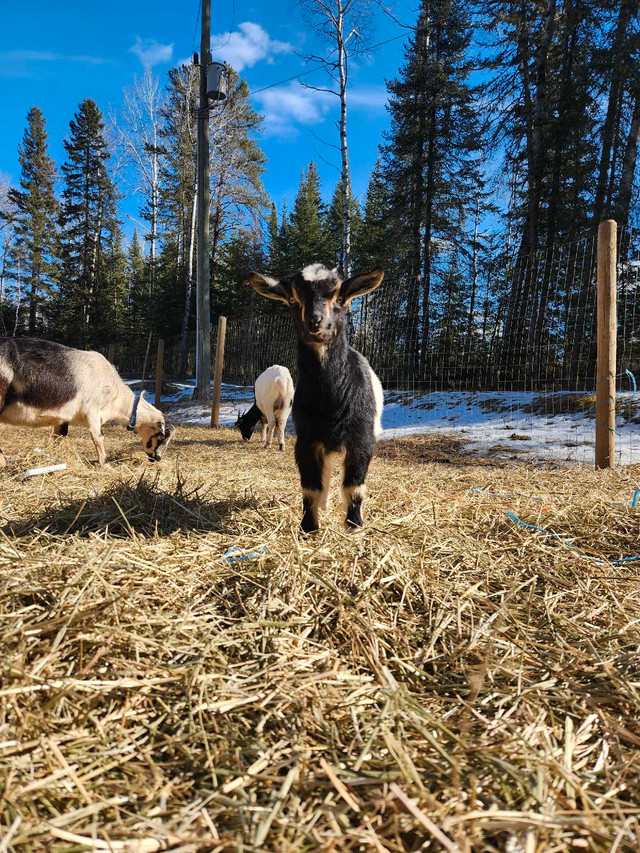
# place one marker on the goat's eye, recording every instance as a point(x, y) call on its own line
point(292, 300)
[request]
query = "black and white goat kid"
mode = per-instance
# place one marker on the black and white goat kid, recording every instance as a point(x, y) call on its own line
point(337, 406)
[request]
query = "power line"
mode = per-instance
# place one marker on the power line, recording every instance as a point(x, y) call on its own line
point(319, 66)
point(195, 31)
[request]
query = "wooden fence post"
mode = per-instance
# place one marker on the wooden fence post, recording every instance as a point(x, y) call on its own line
point(607, 331)
point(159, 373)
point(217, 376)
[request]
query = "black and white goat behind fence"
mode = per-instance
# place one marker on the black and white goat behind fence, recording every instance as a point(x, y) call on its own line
point(337, 406)
point(272, 406)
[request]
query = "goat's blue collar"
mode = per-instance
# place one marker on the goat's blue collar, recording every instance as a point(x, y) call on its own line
point(136, 400)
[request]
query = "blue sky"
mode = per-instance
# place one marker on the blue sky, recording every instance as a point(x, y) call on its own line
point(55, 53)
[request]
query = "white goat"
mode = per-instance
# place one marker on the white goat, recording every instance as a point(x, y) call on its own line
point(274, 398)
point(47, 384)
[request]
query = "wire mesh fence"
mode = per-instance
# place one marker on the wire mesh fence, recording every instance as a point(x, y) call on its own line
point(504, 358)
point(507, 361)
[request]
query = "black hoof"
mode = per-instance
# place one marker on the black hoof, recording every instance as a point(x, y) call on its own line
point(308, 523)
point(354, 519)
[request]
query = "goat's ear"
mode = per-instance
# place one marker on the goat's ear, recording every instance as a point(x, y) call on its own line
point(269, 287)
point(160, 426)
point(360, 284)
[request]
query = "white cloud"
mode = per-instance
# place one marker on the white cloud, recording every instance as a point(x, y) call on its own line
point(150, 52)
point(49, 56)
point(249, 44)
point(284, 107)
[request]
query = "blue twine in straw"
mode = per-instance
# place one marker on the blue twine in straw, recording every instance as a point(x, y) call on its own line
point(227, 558)
point(513, 517)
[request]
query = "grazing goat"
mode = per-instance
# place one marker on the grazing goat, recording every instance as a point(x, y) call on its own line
point(337, 407)
point(273, 395)
point(47, 384)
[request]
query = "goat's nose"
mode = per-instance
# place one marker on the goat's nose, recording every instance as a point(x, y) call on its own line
point(315, 321)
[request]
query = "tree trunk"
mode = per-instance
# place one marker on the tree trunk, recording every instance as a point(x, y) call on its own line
point(474, 285)
point(623, 202)
point(184, 335)
point(534, 113)
point(344, 153)
point(612, 116)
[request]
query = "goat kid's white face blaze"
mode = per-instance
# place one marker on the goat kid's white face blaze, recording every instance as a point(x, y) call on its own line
point(155, 439)
point(317, 298)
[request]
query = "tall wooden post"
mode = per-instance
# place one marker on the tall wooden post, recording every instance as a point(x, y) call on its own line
point(607, 331)
point(217, 374)
point(159, 373)
point(203, 315)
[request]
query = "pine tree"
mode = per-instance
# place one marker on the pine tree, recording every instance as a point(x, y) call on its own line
point(308, 237)
point(374, 243)
point(238, 198)
point(431, 156)
point(174, 304)
point(137, 311)
point(335, 227)
point(36, 209)
point(7, 246)
point(90, 235)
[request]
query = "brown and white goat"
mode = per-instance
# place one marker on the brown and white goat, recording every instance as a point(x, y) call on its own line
point(337, 405)
point(47, 384)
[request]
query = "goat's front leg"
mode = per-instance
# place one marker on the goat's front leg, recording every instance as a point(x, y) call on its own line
point(310, 464)
point(356, 465)
point(3, 459)
point(263, 431)
point(95, 428)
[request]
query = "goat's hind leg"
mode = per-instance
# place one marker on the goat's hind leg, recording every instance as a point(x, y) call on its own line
point(310, 464)
point(356, 465)
point(279, 426)
point(271, 428)
point(95, 428)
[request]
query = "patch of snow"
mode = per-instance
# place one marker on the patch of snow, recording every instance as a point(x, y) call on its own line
point(492, 424)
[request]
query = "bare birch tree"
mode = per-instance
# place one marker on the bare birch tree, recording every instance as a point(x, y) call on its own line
point(7, 242)
point(139, 134)
point(343, 26)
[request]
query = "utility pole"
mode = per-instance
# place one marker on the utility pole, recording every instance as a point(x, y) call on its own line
point(203, 304)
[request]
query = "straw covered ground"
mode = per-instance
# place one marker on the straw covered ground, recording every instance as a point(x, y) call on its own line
point(447, 679)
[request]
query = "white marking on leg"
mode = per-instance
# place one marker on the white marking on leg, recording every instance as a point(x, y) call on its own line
point(315, 496)
point(353, 494)
point(327, 469)
point(271, 425)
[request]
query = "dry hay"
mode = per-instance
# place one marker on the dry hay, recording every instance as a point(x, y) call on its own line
point(447, 679)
